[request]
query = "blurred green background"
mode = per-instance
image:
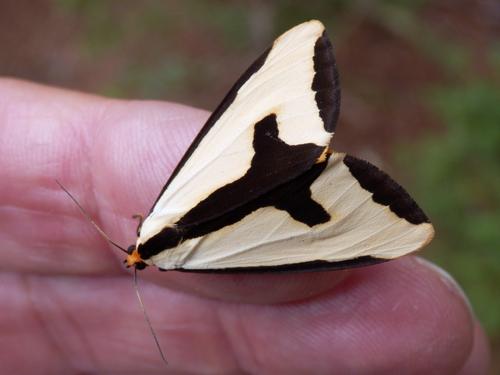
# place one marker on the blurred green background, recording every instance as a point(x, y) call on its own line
point(420, 97)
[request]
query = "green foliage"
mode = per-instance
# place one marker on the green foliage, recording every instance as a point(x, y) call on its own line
point(228, 20)
point(290, 13)
point(122, 31)
point(495, 59)
point(458, 183)
point(103, 30)
point(110, 23)
point(153, 81)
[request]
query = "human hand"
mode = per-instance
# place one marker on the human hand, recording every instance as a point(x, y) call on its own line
point(68, 305)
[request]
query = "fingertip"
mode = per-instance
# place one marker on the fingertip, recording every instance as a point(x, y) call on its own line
point(443, 317)
point(396, 317)
point(479, 360)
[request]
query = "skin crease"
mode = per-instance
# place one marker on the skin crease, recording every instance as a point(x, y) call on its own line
point(68, 306)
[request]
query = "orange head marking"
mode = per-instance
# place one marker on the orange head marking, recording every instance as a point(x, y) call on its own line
point(134, 258)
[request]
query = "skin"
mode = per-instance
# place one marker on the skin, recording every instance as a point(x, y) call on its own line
point(68, 306)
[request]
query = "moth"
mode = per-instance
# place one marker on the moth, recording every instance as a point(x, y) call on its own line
point(260, 189)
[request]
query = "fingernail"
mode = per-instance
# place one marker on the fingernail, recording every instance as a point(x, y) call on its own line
point(448, 280)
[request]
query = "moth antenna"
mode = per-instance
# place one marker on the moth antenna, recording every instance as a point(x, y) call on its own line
point(146, 317)
point(82, 210)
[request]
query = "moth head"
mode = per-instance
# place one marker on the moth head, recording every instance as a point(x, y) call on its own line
point(134, 258)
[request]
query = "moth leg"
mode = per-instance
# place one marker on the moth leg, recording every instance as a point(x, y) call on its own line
point(140, 220)
point(324, 155)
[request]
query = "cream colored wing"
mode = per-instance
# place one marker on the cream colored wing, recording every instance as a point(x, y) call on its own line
point(285, 105)
point(370, 218)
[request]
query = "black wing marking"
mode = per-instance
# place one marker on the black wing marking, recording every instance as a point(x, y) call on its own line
point(385, 190)
point(312, 266)
point(274, 162)
point(326, 83)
